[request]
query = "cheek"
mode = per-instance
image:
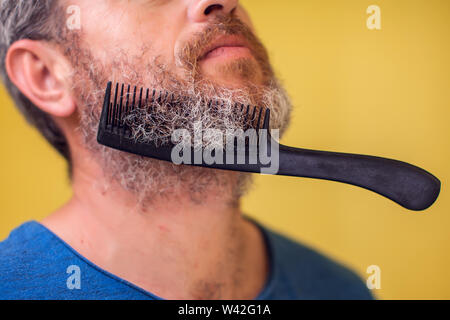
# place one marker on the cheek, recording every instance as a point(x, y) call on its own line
point(138, 32)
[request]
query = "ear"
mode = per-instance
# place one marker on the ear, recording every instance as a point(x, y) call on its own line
point(40, 72)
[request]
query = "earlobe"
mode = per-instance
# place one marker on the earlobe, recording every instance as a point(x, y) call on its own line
point(36, 70)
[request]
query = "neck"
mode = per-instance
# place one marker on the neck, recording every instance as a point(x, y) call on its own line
point(173, 246)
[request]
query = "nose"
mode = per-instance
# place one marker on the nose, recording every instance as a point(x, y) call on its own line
point(202, 10)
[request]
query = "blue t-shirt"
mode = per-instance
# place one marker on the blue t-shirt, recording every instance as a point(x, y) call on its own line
point(36, 264)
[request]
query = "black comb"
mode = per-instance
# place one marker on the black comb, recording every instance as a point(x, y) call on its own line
point(408, 185)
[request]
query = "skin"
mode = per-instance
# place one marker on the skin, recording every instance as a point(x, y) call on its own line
point(176, 249)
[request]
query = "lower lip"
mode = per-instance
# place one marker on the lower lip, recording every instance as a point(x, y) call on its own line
point(229, 53)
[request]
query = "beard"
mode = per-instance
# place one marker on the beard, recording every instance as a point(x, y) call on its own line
point(150, 179)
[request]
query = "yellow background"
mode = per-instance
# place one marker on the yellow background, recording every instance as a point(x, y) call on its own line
point(382, 92)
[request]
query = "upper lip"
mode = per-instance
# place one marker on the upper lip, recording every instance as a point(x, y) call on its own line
point(224, 41)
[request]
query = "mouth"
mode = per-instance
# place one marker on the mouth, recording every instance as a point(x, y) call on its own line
point(227, 47)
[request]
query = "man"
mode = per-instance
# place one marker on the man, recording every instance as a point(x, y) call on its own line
point(139, 228)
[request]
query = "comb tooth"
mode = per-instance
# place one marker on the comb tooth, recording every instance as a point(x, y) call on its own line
point(140, 98)
point(242, 108)
point(127, 107)
point(128, 100)
point(159, 97)
point(118, 104)
point(115, 103)
point(266, 123)
point(152, 100)
point(247, 112)
point(110, 112)
point(253, 115)
point(146, 96)
point(121, 104)
point(107, 103)
point(259, 120)
point(133, 105)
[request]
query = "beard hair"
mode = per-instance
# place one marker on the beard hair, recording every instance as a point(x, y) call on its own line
point(150, 179)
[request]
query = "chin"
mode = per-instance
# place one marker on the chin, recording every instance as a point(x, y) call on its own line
point(235, 74)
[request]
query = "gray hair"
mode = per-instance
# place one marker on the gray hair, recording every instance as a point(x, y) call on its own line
point(35, 20)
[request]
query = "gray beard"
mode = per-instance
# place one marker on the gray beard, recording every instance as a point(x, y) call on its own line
point(148, 179)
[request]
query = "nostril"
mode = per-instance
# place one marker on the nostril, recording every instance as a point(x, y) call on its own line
point(213, 7)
